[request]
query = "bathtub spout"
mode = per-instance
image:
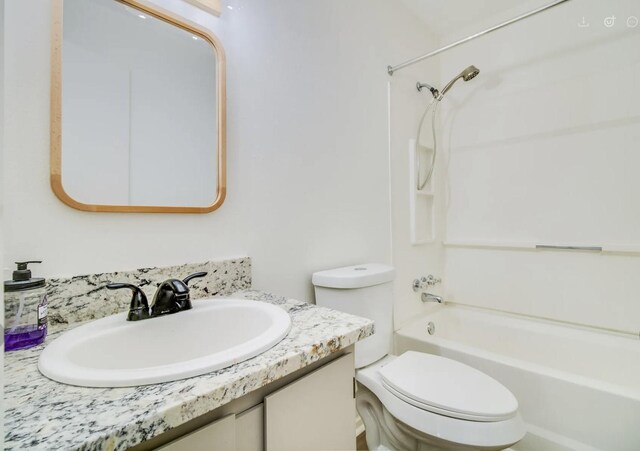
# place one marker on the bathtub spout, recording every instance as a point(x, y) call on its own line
point(428, 297)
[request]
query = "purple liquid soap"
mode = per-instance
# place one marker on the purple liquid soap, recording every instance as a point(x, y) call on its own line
point(25, 309)
point(24, 337)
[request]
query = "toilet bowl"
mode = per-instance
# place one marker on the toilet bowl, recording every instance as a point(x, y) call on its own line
point(415, 401)
point(398, 415)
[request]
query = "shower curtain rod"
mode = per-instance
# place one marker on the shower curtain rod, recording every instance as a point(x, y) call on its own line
point(392, 69)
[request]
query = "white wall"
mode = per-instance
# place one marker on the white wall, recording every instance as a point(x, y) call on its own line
point(307, 148)
point(543, 148)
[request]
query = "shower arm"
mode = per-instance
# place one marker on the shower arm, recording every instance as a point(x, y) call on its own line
point(392, 69)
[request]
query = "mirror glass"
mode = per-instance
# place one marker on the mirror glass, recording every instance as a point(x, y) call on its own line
point(141, 101)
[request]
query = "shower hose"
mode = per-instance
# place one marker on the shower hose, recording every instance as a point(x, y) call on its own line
point(433, 107)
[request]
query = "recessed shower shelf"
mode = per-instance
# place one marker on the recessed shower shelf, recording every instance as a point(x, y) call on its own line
point(421, 201)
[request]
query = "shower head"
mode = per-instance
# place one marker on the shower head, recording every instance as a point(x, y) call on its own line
point(468, 74)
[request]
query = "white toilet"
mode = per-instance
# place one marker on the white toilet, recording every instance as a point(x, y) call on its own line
point(415, 401)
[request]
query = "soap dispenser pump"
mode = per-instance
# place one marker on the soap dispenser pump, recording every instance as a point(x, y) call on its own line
point(25, 309)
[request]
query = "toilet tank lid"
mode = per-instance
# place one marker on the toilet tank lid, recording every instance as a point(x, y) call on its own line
point(357, 276)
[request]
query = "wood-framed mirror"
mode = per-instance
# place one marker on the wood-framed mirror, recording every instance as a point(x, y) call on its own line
point(138, 109)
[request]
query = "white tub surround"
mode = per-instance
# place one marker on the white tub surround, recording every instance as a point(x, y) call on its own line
point(577, 387)
point(43, 414)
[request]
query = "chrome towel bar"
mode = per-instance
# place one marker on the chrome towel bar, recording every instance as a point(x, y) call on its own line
point(570, 248)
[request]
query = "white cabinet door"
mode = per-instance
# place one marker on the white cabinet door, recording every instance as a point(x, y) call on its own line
point(217, 436)
point(250, 429)
point(316, 412)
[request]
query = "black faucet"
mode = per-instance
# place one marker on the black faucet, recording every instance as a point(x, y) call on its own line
point(172, 296)
point(139, 308)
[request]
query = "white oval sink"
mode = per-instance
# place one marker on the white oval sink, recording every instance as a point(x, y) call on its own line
point(214, 334)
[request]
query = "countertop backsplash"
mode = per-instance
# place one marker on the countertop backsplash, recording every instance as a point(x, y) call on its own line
point(83, 298)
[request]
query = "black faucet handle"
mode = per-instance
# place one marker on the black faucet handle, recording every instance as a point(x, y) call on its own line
point(176, 285)
point(195, 275)
point(172, 296)
point(139, 308)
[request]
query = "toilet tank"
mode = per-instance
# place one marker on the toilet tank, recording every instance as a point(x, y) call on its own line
point(363, 290)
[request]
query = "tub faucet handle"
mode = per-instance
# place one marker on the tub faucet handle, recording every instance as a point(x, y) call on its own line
point(424, 282)
point(432, 280)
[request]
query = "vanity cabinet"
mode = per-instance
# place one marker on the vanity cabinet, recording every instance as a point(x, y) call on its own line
point(217, 436)
point(316, 412)
point(250, 429)
point(310, 410)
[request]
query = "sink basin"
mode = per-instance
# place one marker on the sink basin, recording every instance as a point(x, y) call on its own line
point(214, 334)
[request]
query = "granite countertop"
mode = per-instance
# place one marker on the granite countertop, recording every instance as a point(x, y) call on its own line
point(43, 414)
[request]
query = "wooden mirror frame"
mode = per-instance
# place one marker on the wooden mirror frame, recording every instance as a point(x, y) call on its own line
point(56, 114)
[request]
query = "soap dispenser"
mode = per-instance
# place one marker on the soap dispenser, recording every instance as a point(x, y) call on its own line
point(25, 309)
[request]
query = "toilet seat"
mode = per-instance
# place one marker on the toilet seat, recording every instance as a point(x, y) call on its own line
point(448, 387)
point(472, 433)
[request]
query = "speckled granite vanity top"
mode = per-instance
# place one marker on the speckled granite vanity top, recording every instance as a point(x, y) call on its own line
point(43, 414)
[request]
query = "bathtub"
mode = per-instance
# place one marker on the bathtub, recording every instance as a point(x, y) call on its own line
point(578, 388)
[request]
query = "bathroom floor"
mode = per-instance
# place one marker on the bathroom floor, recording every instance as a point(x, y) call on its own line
point(361, 442)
